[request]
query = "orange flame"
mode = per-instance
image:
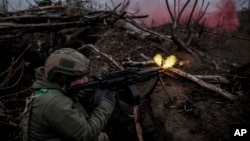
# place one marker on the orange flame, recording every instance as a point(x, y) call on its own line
point(167, 63)
point(184, 62)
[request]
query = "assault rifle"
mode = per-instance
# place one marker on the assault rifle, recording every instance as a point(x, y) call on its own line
point(120, 80)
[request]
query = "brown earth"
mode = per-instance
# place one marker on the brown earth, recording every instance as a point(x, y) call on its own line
point(196, 113)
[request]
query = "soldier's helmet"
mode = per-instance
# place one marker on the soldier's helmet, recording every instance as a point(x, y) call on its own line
point(66, 62)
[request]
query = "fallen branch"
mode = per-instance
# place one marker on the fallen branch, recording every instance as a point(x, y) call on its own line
point(28, 17)
point(195, 79)
point(55, 21)
point(141, 32)
point(202, 83)
point(14, 25)
point(137, 124)
point(180, 43)
point(213, 77)
point(44, 8)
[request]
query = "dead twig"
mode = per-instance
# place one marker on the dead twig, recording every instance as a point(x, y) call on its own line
point(182, 10)
point(92, 47)
point(21, 66)
point(171, 14)
point(191, 15)
point(201, 14)
point(17, 59)
point(10, 74)
point(189, 29)
point(11, 71)
point(16, 93)
point(131, 51)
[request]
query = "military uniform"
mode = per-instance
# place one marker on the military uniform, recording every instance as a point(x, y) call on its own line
point(52, 116)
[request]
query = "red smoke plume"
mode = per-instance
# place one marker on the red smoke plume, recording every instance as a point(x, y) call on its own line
point(223, 14)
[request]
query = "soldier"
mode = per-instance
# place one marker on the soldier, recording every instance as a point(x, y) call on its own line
point(50, 115)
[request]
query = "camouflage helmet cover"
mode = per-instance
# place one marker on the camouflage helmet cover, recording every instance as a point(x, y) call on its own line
point(66, 61)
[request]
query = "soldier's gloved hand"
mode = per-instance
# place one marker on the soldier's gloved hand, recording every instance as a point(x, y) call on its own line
point(86, 99)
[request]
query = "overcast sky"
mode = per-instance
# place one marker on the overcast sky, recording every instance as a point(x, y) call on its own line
point(24, 4)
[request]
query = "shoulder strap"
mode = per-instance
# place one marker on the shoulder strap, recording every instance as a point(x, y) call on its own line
point(27, 111)
point(26, 117)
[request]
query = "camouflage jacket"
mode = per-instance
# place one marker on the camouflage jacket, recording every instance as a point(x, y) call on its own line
point(54, 116)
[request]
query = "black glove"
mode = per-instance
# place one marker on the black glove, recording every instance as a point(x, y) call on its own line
point(86, 99)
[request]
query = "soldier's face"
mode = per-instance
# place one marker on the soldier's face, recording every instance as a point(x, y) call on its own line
point(82, 80)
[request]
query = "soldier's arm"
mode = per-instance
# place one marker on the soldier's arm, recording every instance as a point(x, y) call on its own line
point(68, 121)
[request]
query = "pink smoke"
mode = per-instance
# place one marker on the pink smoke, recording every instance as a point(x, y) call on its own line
point(223, 16)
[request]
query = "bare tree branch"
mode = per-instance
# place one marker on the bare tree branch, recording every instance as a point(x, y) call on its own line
point(191, 15)
point(170, 12)
point(182, 10)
